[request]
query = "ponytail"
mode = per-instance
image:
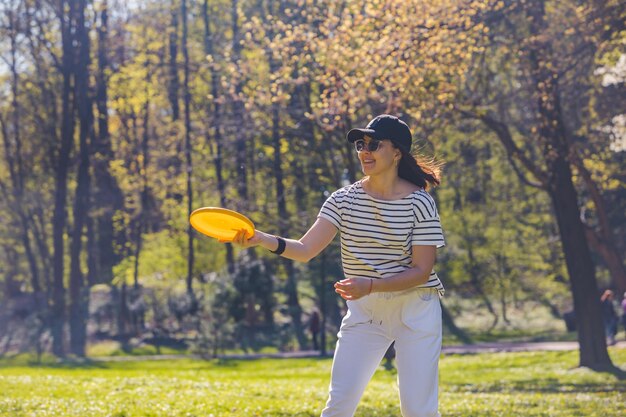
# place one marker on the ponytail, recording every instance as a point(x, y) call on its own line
point(419, 170)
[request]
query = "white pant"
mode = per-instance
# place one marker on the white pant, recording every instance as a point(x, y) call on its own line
point(412, 319)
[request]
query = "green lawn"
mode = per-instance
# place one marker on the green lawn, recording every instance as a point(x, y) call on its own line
point(510, 384)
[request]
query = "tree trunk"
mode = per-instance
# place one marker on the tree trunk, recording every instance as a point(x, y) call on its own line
point(245, 287)
point(475, 273)
point(41, 241)
point(30, 256)
point(593, 349)
point(448, 322)
point(603, 241)
point(174, 83)
point(92, 249)
point(293, 303)
point(605, 246)
point(138, 247)
point(106, 194)
point(62, 166)
point(217, 125)
point(238, 132)
point(188, 158)
point(474, 270)
point(78, 291)
point(13, 154)
point(122, 312)
point(322, 300)
point(295, 310)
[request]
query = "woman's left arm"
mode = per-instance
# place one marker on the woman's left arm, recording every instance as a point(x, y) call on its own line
point(423, 259)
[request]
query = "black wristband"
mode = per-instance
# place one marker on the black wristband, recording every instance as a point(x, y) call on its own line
point(281, 246)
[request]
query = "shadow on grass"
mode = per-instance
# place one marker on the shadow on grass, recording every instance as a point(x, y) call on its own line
point(545, 386)
point(225, 363)
point(69, 363)
point(556, 387)
point(617, 372)
point(366, 411)
point(520, 336)
point(51, 363)
point(528, 387)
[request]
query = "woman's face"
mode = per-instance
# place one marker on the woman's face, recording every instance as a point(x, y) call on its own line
point(377, 161)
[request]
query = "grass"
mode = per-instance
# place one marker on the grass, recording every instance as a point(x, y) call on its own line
point(113, 348)
point(503, 384)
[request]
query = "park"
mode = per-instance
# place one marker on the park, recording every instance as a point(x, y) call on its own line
point(206, 206)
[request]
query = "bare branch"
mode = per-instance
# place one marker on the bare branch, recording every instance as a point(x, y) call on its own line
point(513, 151)
point(8, 154)
point(594, 192)
point(523, 177)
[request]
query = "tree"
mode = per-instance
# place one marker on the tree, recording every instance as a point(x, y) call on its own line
point(107, 196)
point(78, 291)
point(188, 148)
point(173, 62)
point(13, 146)
point(214, 109)
point(544, 64)
point(66, 12)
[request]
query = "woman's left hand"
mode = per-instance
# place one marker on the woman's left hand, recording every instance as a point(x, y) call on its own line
point(353, 288)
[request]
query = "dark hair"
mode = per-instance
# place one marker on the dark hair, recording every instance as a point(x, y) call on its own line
point(418, 169)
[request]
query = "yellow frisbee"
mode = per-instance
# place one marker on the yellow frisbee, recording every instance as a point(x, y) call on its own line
point(220, 223)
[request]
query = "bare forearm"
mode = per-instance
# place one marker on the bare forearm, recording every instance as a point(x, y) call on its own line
point(294, 249)
point(423, 259)
point(303, 250)
point(405, 280)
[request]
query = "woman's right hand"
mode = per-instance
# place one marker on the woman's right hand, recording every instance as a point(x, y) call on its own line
point(240, 239)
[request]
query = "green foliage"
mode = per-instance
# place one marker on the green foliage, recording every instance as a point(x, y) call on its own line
point(495, 244)
point(483, 385)
point(162, 258)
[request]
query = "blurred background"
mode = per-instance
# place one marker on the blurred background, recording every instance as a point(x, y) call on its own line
point(119, 118)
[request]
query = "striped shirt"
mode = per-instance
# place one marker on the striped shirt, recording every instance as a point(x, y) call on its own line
point(377, 235)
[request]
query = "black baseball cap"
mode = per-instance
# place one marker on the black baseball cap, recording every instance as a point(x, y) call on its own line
point(385, 126)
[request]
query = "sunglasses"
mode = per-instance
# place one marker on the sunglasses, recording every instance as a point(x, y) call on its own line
point(373, 146)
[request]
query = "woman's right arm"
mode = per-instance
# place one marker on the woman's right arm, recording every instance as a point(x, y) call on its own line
point(309, 246)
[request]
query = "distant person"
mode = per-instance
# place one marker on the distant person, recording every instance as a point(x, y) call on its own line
point(609, 316)
point(314, 328)
point(390, 232)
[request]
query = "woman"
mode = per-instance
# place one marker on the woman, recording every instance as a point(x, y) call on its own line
point(390, 231)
